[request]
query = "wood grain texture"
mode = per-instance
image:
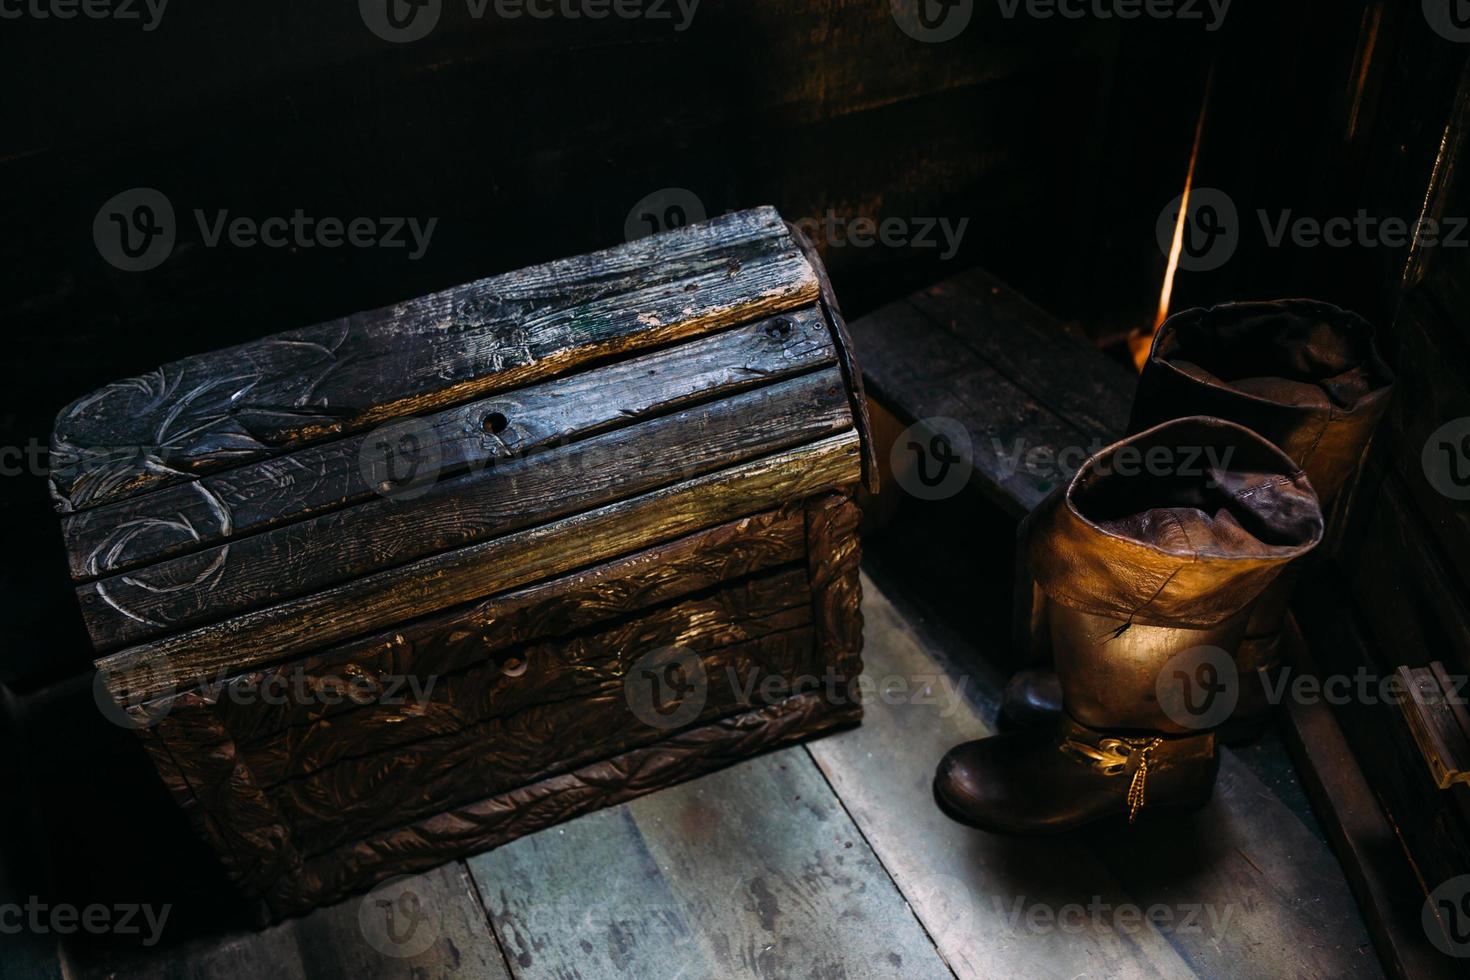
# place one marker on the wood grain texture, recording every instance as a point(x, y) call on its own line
point(229, 407)
point(444, 936)
point(410, 782)
point(1065, 375)
point(918, 371)
point(754, 872)
point(498, 820)
point(189, 517)
point(834, 560)
point(386, 598)
point(385, 532)
point(583, 666)
point(481, 733)
point(846, 356)
point(490, 630)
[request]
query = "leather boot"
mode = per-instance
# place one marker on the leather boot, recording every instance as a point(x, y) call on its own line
point(1148, 562)
point(1303, 374)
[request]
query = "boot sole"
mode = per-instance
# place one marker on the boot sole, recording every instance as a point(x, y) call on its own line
point(1174, 808)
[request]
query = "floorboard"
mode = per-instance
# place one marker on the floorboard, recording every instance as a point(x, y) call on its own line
point(439, 931)
point(755, 871)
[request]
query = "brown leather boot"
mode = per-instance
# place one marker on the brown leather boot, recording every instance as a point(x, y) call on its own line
point(1303, 374)
point(1148, 561)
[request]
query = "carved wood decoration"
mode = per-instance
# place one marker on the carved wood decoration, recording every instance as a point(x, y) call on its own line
point(642, 473)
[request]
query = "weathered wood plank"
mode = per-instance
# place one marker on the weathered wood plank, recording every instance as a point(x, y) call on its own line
point(221, 409)
point(432, 584)
point(465, 637)
point(1269, 897)
point(918, 371)
point(524, 491)
point(1064, 374)
point(440, 926)
point(756, 871)
point(188, 517)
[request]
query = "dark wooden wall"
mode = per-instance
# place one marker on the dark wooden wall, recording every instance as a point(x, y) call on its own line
point(1378, 119)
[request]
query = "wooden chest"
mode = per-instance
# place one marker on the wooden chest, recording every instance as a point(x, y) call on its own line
point(413, 583)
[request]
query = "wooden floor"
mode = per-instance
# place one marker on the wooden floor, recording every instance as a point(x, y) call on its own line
point(831, 860)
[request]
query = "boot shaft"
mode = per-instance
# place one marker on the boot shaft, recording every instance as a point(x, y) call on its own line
point(1146, 567)
point(1303, 374)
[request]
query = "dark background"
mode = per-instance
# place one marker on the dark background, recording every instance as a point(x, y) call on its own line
point(1060, 141)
